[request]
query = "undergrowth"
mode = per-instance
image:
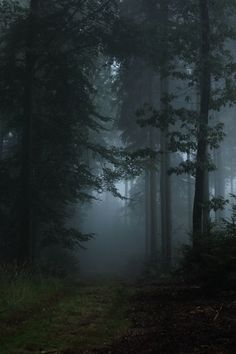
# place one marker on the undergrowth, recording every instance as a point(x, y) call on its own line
point(45, 314)
point(211, 263)
point(21, 288)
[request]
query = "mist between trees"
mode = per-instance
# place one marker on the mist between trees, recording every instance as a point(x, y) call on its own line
point(117, 131)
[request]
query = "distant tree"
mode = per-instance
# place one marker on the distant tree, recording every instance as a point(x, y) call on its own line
point(206, 77)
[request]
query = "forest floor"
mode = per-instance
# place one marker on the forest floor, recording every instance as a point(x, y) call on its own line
point(117, 317)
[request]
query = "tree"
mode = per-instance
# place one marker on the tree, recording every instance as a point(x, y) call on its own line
point(25, 252)
point(51, 120)
point(200, 209)
point(165, 185)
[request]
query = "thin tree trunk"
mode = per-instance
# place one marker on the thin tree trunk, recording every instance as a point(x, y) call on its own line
point(26, 237)
point(165, 185)
point(147, 214)
point(1, 139)
point(218, 180)
point(165, 194)
point(206, 210)
point(166, 221)
point(153, 203)
point(151, 8)
point(200, 210)
point(190, 200)
point(232, 178)
point(232, 182)
point(126, 201)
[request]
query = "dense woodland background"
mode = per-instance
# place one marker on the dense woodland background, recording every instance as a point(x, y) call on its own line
point(134, 99)
point(117, 176)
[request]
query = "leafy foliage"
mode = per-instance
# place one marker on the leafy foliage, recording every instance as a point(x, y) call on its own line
point(69, 36)
point(211, 263)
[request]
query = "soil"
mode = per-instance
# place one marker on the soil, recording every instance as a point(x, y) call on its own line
point(177, 320)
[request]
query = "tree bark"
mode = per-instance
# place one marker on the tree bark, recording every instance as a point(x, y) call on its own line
point(153, 203)
point(166, 219)
point(232, 179)
point(1, 139)
point(126, 201)
point(190, 199)
point(26, 237)
point(200, 208)
point(165, 185)
point(147, 214)
point(219, 180)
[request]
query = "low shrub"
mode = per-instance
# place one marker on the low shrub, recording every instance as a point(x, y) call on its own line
point(22, 287)
point(211, 263)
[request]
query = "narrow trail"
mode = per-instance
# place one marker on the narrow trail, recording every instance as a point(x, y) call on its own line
point(177, 320)
point(124, 318)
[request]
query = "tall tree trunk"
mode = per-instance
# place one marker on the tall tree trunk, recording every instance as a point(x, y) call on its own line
point(232, 177)
point(190, 199)
point(153, 202)
point(166, 220)
point(26, 237)
point(218, 180)
point(126, 201)
point(152, 136)
point(1, 139)
point(200, 210)
point(232, 181)
point(165, 185)
point(147, 214)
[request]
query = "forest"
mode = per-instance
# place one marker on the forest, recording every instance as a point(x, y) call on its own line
point(117, 176)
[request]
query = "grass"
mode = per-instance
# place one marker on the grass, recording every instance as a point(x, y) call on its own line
point(20, 290)
point(47, 316)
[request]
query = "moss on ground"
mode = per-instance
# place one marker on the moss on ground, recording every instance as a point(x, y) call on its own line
point(77, 318)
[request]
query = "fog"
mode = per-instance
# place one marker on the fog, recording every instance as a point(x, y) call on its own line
point(117, 132)
point(118, 245)
point(117, 176)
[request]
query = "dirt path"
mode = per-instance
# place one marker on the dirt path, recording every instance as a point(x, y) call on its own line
point(118, 317)
point(178, 320)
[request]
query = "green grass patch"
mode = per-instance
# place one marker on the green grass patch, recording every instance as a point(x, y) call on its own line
point(21, 290)
point(87, 316)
